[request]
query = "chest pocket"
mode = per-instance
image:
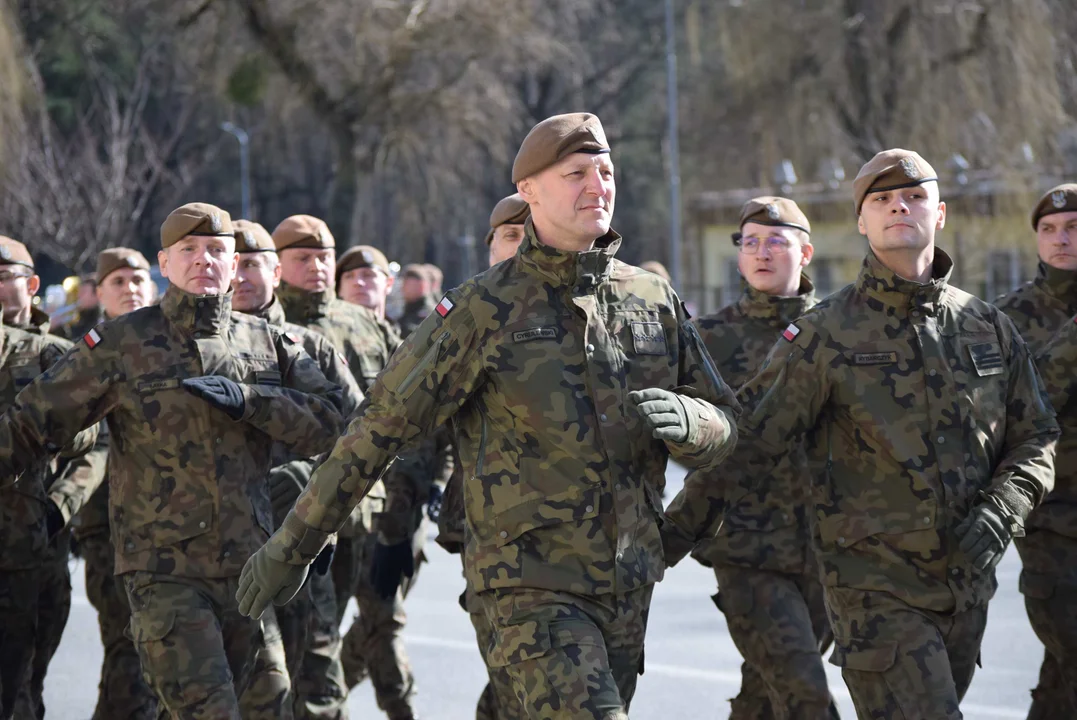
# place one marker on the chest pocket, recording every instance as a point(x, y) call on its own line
point(885, 383)
point(981, 375)
point(649, 343)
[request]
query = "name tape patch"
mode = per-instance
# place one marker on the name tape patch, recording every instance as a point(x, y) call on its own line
point(875, 358)
point(541, 333)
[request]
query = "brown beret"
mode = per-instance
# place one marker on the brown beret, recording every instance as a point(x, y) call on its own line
point(251, 237)
point(775, 211)
point(891, 170)
point(195, 219)
point(653, 266)
point(303, 231)
point(558, 137)
point(414, 270)
point(511, 210)
point(13, 252)
point(113, 259)
point(1061, 198)
point(362, 256)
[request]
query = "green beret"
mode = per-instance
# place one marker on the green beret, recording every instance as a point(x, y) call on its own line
point(13, 252)
point(251, 237)
point(511, 210)
point(303, 231)
point(362, 256)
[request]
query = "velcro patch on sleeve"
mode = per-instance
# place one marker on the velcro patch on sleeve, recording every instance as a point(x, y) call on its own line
point(875, 358)
point(92, 338)
point(539, 333)
point(987, 357)
point(791, 332)
point(445, 306)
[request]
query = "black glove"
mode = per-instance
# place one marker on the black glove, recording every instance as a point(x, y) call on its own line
point(390, 565)
point(284, 488)
point(218, 391)
point(433, 503)
point(663, 412)
point(983, 536)
point(324, 560)
point(54, 519)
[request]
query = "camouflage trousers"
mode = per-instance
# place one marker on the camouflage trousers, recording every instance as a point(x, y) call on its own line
point(779, 624)
point(569, 656)
point(373, 646)
point(498, 699)
point(195, 649)
point(34, 606)
point(902, 662)
point(1049, 584)
point(122, 693)
point(311, 634)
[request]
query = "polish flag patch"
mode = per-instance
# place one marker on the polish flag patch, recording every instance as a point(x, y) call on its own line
point(445, 306)
point(92, 338)
point(791, 332)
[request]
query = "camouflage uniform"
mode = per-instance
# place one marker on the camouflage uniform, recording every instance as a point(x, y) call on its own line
point(309, 623)
point(925, 402)
point(533, 360)
point(1049, 549)
point(376, 646)
point(35, 588)
point(768, 581)
point(188, 497)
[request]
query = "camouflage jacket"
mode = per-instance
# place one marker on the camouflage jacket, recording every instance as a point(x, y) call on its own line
point(767, 526)
point(413, 315)
point(534, 360)
point(188, 487)
point(366, 341)
point(925, 402)
point(1057, 363)
point(1039, 308)
point(24, 541)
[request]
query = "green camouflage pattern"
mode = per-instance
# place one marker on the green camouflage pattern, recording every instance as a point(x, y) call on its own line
point(122, 691)
point(498, 699)
point(366, 341)
point(1041, 306)
point(310, 633)
point(568, 656)
point(924, 402)
point(197, 652)
point(24, 355)
point(52, 608)
point(767, 528)
point(187, 483)
point(534, 361)
point(779, 624)
point(903, 662)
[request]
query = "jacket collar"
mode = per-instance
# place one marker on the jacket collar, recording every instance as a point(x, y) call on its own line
point(585, 269)
point(197, 314)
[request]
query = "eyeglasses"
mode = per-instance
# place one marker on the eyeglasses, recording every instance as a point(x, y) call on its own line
point(776, 244)
point(7, 276)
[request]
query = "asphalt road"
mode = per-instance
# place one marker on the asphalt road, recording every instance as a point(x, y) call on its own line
point(692, 666)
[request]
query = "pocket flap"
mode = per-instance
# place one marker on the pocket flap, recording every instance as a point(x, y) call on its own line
point(874, 659)
point(1036, 586)
point(574, 505)
point(167, 530)
point(519, 642)
point(149, 627)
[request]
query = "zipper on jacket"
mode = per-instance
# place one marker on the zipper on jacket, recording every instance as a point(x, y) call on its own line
point(428, 357)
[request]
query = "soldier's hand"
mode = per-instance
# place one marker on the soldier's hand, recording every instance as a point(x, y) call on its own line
point(218, 391)
point(391, 563)
point(983, 536)
point(265, 580)
point(433, 503)
point(285, 487)
point(663, 412)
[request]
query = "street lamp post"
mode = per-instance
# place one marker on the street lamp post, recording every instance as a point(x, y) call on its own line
point(674, 150)
point(244, 166)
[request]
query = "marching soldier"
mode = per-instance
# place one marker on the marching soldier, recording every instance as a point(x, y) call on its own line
point(768, 582)
point(192, 395)
point(572, 378)
point(124, 286)
point(366, 566)
point(35, 585)
point(1048, 550)
point(936, 441)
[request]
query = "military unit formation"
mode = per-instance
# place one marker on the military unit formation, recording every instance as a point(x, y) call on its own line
point(236, 460)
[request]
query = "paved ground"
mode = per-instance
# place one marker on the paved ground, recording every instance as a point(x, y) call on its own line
point(692, 666)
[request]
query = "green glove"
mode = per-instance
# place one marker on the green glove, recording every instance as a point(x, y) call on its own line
point(663, 412)
point(983, 536)
point(263, 580)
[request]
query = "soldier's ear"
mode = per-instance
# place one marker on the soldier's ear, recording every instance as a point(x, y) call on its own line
point(807, 252)
point(860, 225)
point(942, 217)
point(526, 188)
point(33, 284)
point(162, 260)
